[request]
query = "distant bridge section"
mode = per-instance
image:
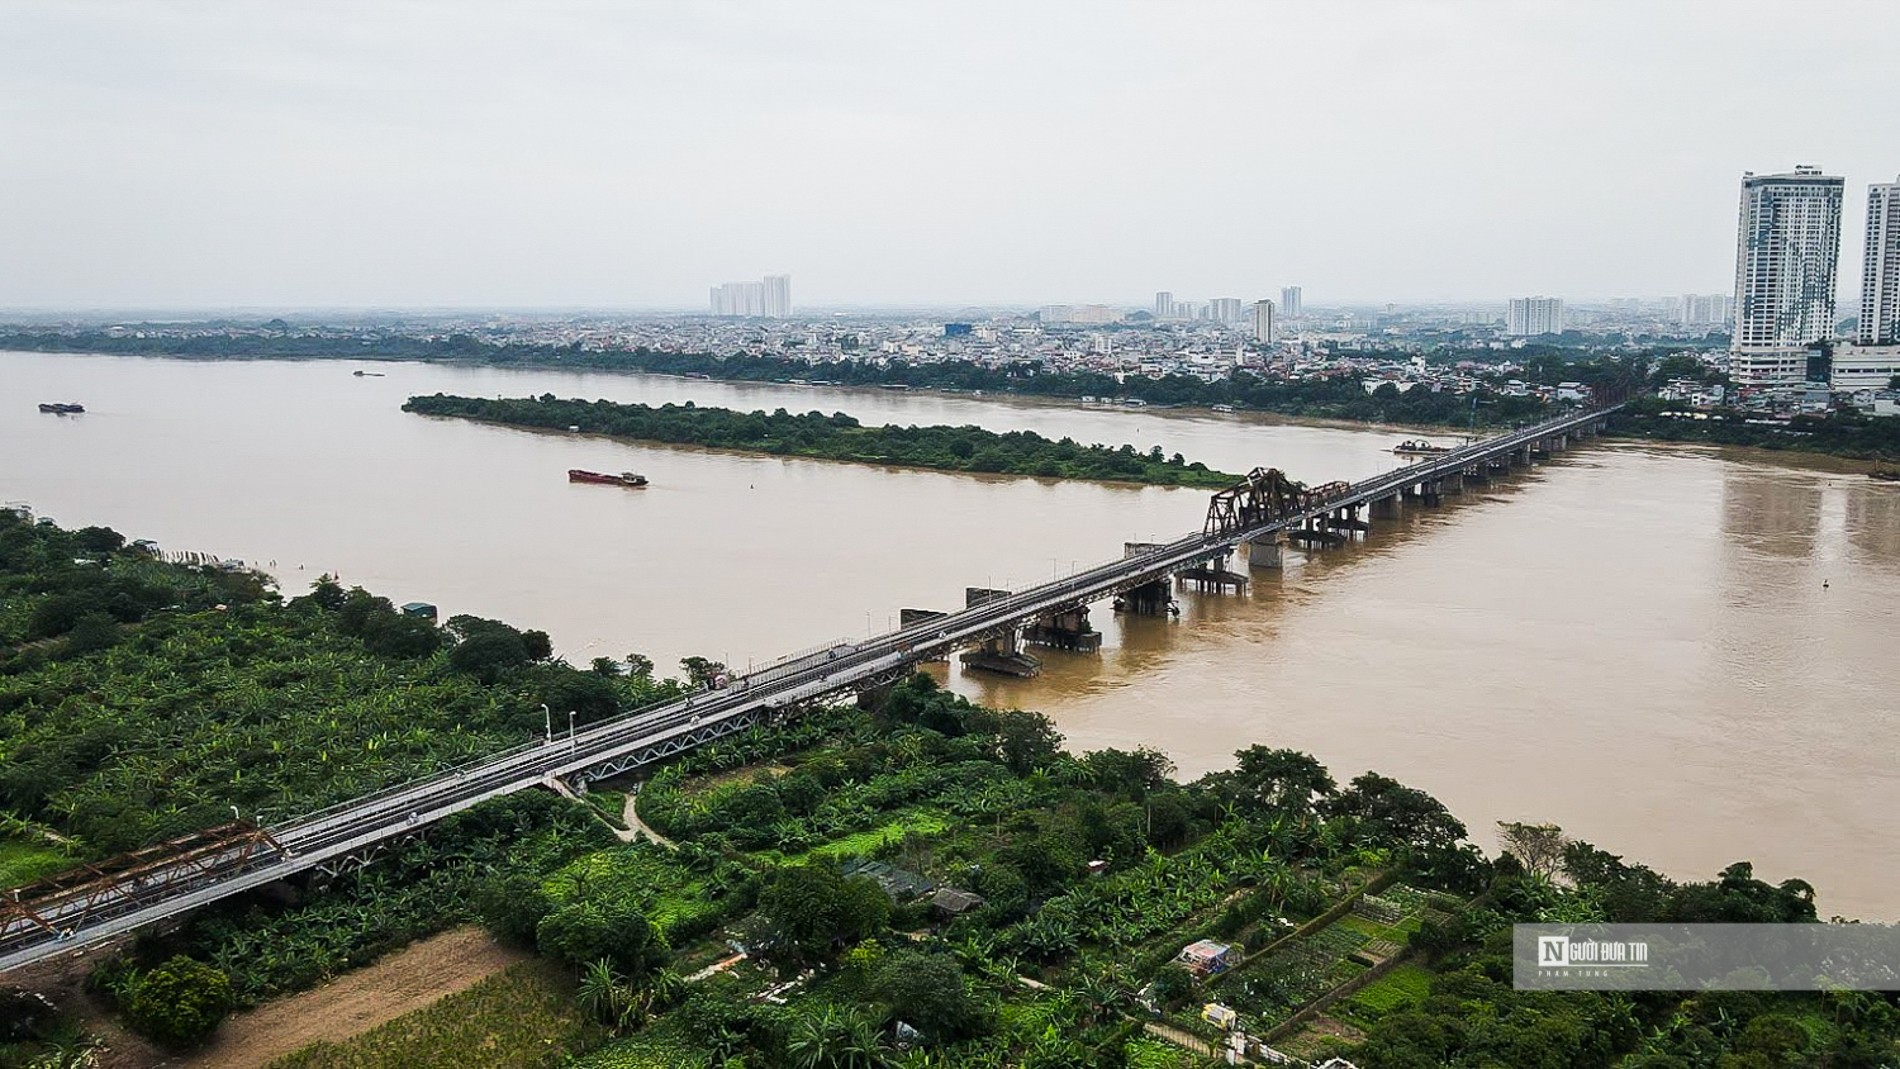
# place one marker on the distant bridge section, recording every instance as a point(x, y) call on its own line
point(168, 881)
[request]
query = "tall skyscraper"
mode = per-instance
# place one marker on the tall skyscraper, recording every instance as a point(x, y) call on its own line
point(1880, 269)
point(771, 297)
point(778, 296)
point(1164, 305)
point(1263, 324)
point(1787, 245)
point(1531, 316)
point(1290, 302)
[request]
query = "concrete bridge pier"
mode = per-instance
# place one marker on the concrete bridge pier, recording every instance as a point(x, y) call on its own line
point(1213, 575)
point(1316, 531)
point(1346, 518)
point(1154, 598)
point(1430, 492)
point(1266, 551)
point(1386, 508)
point(1453, 483)
point(1066, 630)
point(1002, 654)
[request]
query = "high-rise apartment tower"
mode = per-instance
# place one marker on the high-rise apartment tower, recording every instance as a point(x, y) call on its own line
point(1880, 269)
point(1787, 244)
point(1531, 316)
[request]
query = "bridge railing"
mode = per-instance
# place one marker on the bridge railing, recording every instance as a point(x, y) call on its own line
point(790, 658)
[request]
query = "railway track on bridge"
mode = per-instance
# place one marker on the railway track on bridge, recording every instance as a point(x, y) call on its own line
point(71, 912)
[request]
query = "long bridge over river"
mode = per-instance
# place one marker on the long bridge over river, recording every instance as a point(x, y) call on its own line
point(1267, 510)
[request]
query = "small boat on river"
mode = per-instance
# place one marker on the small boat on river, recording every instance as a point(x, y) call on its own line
point(1420, 448)
point(625, 478)
point(62, 408)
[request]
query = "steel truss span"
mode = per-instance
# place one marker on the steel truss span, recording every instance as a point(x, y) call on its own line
point(112, 898)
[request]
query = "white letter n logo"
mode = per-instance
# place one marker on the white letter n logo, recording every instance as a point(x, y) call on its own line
point(1553, 950)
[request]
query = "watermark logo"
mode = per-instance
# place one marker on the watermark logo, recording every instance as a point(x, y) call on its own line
point(1697, 957)
point(1563, 952)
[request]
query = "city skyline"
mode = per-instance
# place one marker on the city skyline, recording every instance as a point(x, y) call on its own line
point(400, 158)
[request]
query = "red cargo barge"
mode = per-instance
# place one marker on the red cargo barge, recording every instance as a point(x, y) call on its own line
point(625, 478)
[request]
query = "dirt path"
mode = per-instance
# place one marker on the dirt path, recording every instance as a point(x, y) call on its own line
point(357, 1002)
point(636, 828)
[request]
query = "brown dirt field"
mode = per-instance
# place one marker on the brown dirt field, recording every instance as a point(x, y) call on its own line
point(356, 1002)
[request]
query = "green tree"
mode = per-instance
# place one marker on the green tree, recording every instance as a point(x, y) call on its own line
point(700, 672)
point(812, 909)
point(1024, 741)
point(929, 993)
point(511, 906)
point(609, 929)
point(180, 1003)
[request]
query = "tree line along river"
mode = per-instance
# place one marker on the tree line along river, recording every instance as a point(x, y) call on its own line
point(1678, 653)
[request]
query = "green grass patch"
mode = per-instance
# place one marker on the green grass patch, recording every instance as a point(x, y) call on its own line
point(1405, 984)
point(523, 1018)
point(22, 862)
point(660, 1047)
point(1370, 928)
point(921, 822)
point(1146, 1053)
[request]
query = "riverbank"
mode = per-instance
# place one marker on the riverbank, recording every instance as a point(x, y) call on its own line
point(1849, 437)
point(1339, 398)
point(967, 449)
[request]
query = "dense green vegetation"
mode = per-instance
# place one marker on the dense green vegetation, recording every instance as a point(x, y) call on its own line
point(1360, 918)
point(1094, 871)
point(834, 437)
point(141, 700)
point(1842, 434)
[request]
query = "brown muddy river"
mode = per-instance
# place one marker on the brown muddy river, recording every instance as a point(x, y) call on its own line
point(1635, 643)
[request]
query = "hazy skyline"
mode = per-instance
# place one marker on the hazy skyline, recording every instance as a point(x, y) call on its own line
point(470, 154)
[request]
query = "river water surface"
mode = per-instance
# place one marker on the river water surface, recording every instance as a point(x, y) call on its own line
point(1686, 656)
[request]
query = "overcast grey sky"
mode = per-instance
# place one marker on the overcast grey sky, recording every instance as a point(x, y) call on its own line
point(468, 153)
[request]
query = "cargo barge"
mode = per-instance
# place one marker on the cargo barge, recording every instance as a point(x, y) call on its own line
point(625, 478)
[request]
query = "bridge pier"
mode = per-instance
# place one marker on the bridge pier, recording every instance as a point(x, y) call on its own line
point(1386, 508)
point(1453, 483)
point(1002, 654)
point(1346, 518)
point(1067, 630)
point(1314, 532)
point(1265, 551)
point(1149, 599)
point(1214, 576)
